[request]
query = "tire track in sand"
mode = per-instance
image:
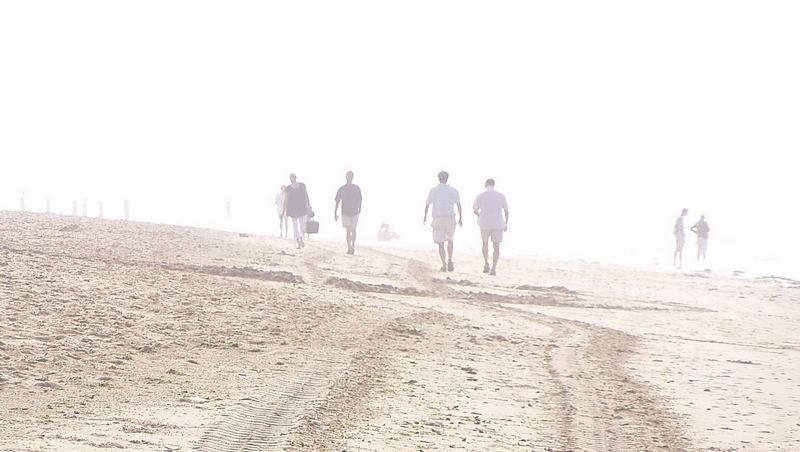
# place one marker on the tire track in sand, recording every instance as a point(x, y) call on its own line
point(266, 421)
point(604, 408)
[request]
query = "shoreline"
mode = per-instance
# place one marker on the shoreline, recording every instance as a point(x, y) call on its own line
point(734, 272)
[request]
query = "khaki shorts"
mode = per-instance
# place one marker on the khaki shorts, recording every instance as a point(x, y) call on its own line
point(702, 245)
point(444, 228)
point(680, 240)
point(495, 234)
point(349, 222)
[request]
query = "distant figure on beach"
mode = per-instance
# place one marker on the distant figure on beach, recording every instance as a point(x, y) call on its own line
point(349, 195)
point(443, 218)
point(701, 229)
point(385, 235)
point(298, 207)
point(491, 208)
point(283, 220)
point(680, 239)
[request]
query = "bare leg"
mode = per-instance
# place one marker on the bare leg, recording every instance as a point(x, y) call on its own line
point(486, 253)
point(450, 255)
point(495, 257)
point(443, 256)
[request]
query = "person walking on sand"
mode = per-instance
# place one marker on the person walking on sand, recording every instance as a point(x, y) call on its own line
point(680, 239)
point(297, 207)
point(349, 195)
point(491, 207)
point(443, 218)
point(701, 229)
point(283, 220)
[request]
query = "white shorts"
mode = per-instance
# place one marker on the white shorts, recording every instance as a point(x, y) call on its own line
point(350, 222)
point(444, 228)
point(495, 234)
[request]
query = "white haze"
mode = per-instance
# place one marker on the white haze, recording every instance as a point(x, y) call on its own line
point(599, 120)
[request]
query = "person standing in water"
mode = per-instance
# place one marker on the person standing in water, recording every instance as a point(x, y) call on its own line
point(490, 207)
point(297, 207)
point(283, 220)
point(349, 195)
point(701, 229)
point(680, 239)
point(443, 197)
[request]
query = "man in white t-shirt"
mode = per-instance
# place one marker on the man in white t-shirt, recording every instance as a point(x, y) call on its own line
point(443, 198)
point(680, 239)
point(280, 200)
point(490, 206)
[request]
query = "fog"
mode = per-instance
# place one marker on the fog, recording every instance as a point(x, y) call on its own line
point(599, 120)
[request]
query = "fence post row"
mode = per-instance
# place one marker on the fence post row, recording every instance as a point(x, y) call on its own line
point(126, 207)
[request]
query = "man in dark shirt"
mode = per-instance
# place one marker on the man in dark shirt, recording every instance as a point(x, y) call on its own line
point(297, 206)
point(349, 195)
point(701, 229)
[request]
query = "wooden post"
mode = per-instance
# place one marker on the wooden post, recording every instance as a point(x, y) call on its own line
point(126, 209)
point(22, 202)
point(228, 208)
point(47, 206)
point(74, 208)
point(84, 208)
point(100, 209)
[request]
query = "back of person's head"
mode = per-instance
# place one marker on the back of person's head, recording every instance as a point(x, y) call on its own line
point(283, 187)
point(702, 217)
point(349, 176)
point(490, 182)
point(443, 176)
point(684, 211)
point(293, 177)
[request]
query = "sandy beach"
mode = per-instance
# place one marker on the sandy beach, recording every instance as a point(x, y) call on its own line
point(143, 337)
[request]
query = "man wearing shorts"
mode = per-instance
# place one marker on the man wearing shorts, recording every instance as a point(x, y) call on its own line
point(349, 195)
point(490, 206)
point(443, 198)
point(680, 239)
point(701, 229)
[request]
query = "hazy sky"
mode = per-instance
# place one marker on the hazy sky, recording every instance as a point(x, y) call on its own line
point(600, 120)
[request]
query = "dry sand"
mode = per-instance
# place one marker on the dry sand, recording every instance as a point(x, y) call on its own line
point(118, 335)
